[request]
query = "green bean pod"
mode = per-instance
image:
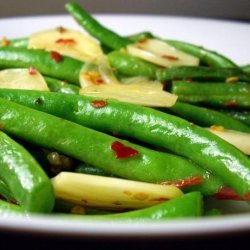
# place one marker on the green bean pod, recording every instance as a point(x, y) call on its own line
point(209, 88)
point(56, 85)
point(201, 73)
point(19, 42)
point(47, 63)
point(240, 115)
point(150, 126)
point(95, 148)
point(9, 209)
point(186, 206)
point(131, 66)
point(5, 191)
point(218, 101)
point(26, 180)
point(207, 117)
point(208, 57)
point(94, 28)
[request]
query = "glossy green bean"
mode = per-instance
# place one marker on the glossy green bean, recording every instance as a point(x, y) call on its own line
point(150, 126)
point(186, 206)
point(5, 191)
point(207, 117)
point(56, 85)
point(95, 148)
point(25, 178)
point(201, 73)
point(218, 101)
point(9, 209)
point(19, 42)
point(62, 67)
point(209, 88)
point(131, 66)
point(96, 29)
point(241, 115)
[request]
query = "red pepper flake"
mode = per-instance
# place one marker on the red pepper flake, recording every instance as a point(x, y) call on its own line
point(123, 151)
point(190, 181)
point(227, 193)
point(56, 56)
point(232, 103)
point(66, 41)
point(169, 57)
point(98, 103)
point(32, 71)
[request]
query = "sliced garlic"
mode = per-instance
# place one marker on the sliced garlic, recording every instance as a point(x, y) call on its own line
point(22, 79)
point(67, 42)
point(110, 192)
point(160, 53)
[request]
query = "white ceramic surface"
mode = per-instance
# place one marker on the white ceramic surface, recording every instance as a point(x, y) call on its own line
point(229, 38)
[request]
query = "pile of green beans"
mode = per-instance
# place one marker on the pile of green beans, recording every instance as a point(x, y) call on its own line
point(173, 144)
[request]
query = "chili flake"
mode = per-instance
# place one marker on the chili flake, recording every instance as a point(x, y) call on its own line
point(190, 181)
point(169, 57)
point(56, 56)
point(66, 41)
point(227, 193)
point(123, 151)
point(98, 103)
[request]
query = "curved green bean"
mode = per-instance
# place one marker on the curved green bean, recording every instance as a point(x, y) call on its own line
point(26, 180)
point(94, 28)
point(95, 148)
point(150, 126)
point(186, 206)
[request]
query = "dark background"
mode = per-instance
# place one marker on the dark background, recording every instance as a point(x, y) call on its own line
point(219, 9)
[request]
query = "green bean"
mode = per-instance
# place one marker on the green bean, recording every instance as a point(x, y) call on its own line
point(207, 117)
point(140, 36)
point(25, 178)
point(63, 67)
point(150, 126)
point(241, 115)
point(56, 85)
point(201, 73)
point(131, 66)
point(7, 209)
point(19, 42)
point(94, 28)
point(209, 88)
point(218, 101)
point(95, 148)
point(246, 68)
point(89, 169)
point(208, 57)
point(5, 191)
point(186, 206)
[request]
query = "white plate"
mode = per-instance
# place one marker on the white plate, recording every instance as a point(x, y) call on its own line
point(229, 38)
